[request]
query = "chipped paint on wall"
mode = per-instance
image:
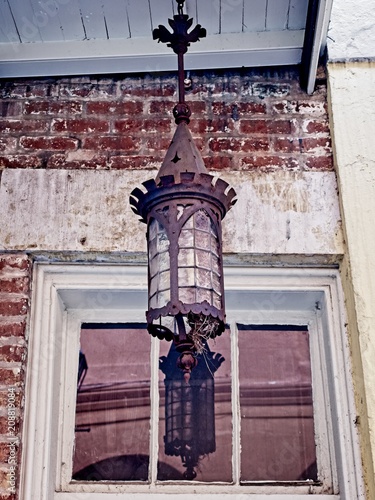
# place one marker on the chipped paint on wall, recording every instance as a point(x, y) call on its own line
point(276, 213)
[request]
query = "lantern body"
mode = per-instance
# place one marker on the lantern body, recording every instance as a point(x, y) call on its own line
point(183, 208)
point(185, 265)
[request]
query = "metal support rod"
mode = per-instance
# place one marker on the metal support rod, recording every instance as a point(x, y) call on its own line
point(181, 78)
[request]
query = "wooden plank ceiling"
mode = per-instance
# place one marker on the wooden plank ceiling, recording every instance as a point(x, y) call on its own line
point(58, 20)
point(66, 37)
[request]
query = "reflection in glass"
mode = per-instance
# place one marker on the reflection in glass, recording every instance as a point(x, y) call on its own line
point(277, 427)
point(195, 427)
point(113, 404)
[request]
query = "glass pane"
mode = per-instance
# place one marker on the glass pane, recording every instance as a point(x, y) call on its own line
point(195, 423)
point(186, 257)
point(159, 265)
point(186, 276)
point(277, 427)
point(186, 239)
point(202, 220)
point(113, 404)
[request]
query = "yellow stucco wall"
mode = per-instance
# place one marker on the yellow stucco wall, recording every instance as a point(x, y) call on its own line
point(352, 113)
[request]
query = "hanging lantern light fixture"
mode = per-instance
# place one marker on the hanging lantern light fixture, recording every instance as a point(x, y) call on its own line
point(183, 208)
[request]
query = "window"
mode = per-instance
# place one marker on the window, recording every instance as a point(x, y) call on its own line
point(274, 389)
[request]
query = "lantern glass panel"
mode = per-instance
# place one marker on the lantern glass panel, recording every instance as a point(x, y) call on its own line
point(204, 295)
point(159, 265)
point(187, 295)
point(217, 302)
point(198, 261)
point(186, 239)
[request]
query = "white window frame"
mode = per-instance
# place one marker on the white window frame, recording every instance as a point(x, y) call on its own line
point(66, 295)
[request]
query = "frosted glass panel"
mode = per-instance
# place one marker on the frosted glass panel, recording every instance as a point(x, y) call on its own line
point(159, 265)
point(198, 260)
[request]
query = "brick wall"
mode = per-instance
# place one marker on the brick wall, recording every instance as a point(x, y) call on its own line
point(14, 306)
point(242, 121)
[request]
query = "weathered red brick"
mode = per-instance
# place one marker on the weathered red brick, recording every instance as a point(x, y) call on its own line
point(224, 87)
point(134, 162)
point(265, 126)
point(315, 126)
point(4, 485)
point(253, 144)
point(14, 261)
point(197, 107)
point(49, 107)
point(224, 144)
point(263, 90)
point(158, 144)
point(238, 109)
point(324, 163)
point(8, 144)
point(12, 329)
point(11, 376)
point(49, 143)
point(11, 353)
point(111, 143)
point(206, 125)
point(14, 285)
point(4, 454)
point(145, 91)
point(286, 145)
point(40, 89)
point(268, 162)
point(238, 144)
point(71, 90)
point(13, 431)
point(284, 107)
point(89, 90)
point(92, 162)
point(253, 127)
point(16, 397)
point(10, 108)
point(162, 107)
point(318, 144)
point(139, 125)
point(24, 125)
point(218, 162)
point(80, 125)
point(316, 108)
point(114, 108)
point(20, 161)
point(13, 307)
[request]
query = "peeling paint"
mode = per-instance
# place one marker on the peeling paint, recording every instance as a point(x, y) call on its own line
point(276, 213)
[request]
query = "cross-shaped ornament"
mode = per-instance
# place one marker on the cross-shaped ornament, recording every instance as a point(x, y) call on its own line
point(179, 40)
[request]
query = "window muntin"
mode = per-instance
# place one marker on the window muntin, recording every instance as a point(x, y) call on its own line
point(65, 296)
